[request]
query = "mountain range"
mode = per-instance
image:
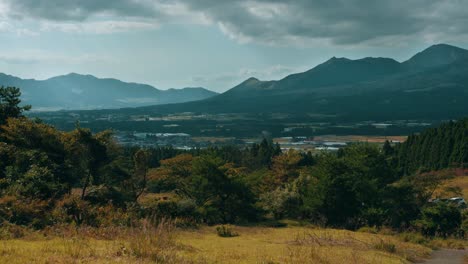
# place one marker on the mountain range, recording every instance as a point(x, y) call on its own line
point(75, 91)
point(431, 84)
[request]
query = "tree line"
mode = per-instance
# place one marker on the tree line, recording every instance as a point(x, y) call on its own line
point(436, 148)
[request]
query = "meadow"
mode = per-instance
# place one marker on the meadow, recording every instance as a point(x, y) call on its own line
point(164, 244)
point(459, 184)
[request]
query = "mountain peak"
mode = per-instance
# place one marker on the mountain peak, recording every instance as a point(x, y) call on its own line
point(73, 76)
point(443, 46)
point(251, 80)
point(334, 60)
point(436, 55)
point(78, 75)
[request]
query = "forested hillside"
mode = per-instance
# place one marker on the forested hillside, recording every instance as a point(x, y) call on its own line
point(436, 148)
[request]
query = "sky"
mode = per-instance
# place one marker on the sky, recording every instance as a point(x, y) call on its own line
point(215, 44)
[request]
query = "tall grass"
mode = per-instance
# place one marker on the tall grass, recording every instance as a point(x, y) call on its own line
point(153, 241)
point(148, 241)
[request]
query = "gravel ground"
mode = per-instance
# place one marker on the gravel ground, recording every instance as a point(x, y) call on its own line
point(449, 256)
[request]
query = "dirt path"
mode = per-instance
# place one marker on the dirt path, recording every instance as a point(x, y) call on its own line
point(448, 256)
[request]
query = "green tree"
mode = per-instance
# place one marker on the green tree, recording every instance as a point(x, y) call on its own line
point(33, 160)
point(216, 188)
point(344, 187)
point(87, 154)
point(10, 104)
point(440, 219)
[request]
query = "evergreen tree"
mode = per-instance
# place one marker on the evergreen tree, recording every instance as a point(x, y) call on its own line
point(10, 104)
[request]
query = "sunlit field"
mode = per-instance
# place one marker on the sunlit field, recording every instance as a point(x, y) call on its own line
point(163, 244)
point(460, 182)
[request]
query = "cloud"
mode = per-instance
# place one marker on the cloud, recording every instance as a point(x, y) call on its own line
point(99, 27)
point(273, 72)
point(272, 22)
point(28, 57)
point(78, 10)
point(7, 27)
point(337, 22)
point(96, 16)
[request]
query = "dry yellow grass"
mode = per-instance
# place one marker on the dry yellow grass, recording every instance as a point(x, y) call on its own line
point(298, 245)
point(253, 245)
point(59, 250)
point(458, 181)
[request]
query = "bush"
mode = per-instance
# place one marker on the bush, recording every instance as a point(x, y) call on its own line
point(226, 231)
point(104, 195)
point(25, 212)
point(10, 231)
point(414, 237)
point(373, 216)
point(182, 210)
point(440, 220)
point(464, 225)
point(72, 210)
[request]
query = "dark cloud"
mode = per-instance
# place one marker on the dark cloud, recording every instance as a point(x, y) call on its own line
point(79, 9)
point(341, 22)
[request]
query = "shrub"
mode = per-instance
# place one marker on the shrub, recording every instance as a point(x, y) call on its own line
point(185, 211)
point(26, 212)
point(440, 220)
point(414, 237)
point(373, 216)
point(464, 226)
point(10, 231)
point(226, 231)
point(71, 209)
point(104, 195)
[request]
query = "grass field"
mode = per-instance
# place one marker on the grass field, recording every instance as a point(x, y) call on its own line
point(298, 245)
point(460, 182)
point(203, 245)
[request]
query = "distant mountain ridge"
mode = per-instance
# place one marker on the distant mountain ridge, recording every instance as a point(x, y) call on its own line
point(436, 55)
point(431, 84)
point(76, 91)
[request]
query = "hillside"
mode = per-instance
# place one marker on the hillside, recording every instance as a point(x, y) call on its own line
point(436, 148)
point(431, 84)
point(75, 91)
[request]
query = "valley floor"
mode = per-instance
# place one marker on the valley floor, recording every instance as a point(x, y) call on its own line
point(253, 245)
